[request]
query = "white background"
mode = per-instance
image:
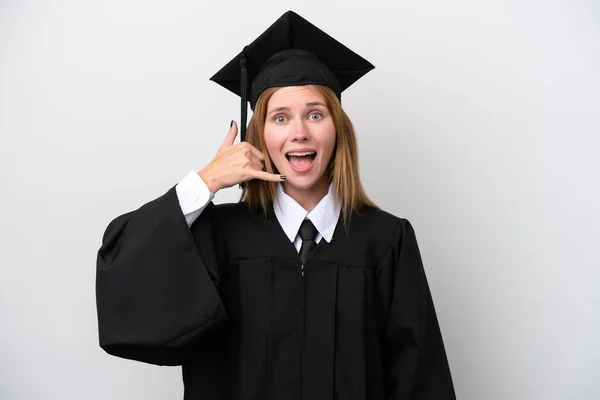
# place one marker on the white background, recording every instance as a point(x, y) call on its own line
point(480, 125)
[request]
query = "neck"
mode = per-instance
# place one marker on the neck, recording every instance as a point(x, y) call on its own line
point(308, 198)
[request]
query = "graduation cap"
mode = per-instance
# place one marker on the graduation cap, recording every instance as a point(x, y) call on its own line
point(291, 52)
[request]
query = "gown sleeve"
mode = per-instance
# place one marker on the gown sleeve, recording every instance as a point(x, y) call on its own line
point(157, 283)
point(416, 366)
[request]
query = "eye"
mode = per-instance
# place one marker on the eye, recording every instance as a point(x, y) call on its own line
point(280, 119)
point(315, 116)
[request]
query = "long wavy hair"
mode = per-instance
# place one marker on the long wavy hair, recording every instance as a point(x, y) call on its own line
point(342, 169)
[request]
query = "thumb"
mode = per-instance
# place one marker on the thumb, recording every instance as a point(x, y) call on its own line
point(231, 135)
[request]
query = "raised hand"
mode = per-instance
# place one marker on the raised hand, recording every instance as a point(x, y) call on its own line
point(235, 163)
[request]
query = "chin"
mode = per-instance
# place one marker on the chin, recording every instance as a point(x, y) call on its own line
point(302, 182)
point(300, 185)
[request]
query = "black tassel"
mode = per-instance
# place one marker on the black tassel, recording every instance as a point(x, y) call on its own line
point(244, 94)
point(244, 97)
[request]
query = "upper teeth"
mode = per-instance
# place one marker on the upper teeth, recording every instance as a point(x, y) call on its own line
point(308, 153)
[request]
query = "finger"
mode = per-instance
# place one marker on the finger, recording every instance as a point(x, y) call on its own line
point(256, 152)
point(254, 163)
point(253, 166)
point(231, 135)
point(266, 176)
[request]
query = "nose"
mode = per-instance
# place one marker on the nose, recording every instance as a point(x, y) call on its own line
point(300, 132)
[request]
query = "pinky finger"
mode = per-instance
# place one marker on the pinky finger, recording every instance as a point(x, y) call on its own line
point(267, 176)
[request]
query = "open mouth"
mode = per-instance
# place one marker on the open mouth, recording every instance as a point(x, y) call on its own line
point(301, 160)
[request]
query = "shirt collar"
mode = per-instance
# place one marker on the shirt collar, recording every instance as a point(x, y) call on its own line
point(290, 214)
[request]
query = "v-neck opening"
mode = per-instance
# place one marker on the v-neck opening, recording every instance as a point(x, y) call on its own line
point(283, 247)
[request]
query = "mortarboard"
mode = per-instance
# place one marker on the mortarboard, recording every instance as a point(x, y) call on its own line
point(291, 52)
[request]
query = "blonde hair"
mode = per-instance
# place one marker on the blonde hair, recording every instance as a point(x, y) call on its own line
point(342, 169)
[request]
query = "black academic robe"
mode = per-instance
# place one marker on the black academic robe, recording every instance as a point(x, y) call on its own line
point(227, 300)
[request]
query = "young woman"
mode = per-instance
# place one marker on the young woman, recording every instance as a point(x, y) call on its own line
point(302, 290)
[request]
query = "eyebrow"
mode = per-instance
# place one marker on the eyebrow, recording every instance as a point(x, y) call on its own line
point(309, 104)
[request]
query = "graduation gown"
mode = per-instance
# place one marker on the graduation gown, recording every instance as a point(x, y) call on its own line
point(226, 299)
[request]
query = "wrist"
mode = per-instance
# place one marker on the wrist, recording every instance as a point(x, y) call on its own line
point(209, 181)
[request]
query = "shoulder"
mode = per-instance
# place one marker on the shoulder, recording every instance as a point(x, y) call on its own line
point(380, 222)
point(378, 215)
point(384, 227)
point(370, 235)
point(230, 208)
point(234, 215)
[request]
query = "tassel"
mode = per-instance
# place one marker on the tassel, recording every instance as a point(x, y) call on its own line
point(244, 94)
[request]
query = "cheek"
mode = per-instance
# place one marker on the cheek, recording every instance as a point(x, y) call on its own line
point(270, 139)
point(328, 138)
point(274, 140)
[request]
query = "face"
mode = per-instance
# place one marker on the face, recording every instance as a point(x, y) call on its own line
point(300, 136)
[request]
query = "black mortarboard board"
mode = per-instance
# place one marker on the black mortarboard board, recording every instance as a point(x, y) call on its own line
point(292, 52)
